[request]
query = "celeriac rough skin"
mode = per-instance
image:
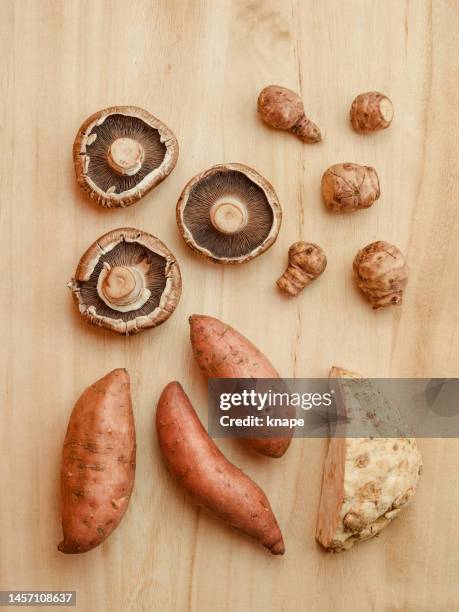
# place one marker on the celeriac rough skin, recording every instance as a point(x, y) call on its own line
point(98, 463)
point(306, 261)
point(366, 481)
point(381, 273)
point(349, 187)
point(283, 109)
point(222, 352)
point(371, 111)
point(213, 482)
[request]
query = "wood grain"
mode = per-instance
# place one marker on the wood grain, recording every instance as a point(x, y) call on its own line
point(198, 66)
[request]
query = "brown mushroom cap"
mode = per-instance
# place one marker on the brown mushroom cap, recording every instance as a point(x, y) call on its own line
point(127, 281)
point(121, 153)
point(229, 214)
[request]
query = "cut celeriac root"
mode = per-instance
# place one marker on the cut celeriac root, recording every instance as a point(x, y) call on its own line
point(366, 481)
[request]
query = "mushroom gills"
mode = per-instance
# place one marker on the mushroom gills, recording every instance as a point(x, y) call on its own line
point(121, 151)
point(228, 214)
point(127, 282)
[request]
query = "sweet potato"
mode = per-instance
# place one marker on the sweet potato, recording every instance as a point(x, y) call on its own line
point(366, 481)
point(98, 463)
point(222, 352)
point(214, 483)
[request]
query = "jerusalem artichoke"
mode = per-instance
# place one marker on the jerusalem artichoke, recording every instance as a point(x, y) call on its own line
point(282, 108)
point(348, 187)
point(306, 261)
point(381, 273)
point(371, 111)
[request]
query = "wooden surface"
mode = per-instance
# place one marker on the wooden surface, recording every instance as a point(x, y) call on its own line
point(199, 66)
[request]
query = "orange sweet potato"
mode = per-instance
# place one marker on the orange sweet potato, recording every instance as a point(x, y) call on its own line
point(214, 483)
point(222, 352)
point(98, 463)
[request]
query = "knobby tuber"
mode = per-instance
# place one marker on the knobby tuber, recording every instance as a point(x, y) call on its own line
point(214, 483)
point(98, 463)
point(282, 108)
point(306, 261)
point(348, 187)
point(222, 352)
point(371, 111)
point(382, 273)
point(366, 481)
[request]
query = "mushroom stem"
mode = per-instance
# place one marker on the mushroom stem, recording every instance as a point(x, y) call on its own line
point(121, 285)
point(125, 156)
point(228, 216)
point(123, 288)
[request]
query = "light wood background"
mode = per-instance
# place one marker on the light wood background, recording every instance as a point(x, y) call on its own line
point(199, 65)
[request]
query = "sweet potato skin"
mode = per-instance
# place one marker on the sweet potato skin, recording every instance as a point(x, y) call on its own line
point(222, 352)
point(98, 463)
point(213, 482)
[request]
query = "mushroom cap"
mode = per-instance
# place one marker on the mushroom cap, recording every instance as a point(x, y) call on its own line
point(121, 153)
point(120, 249)
point(229, 214)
